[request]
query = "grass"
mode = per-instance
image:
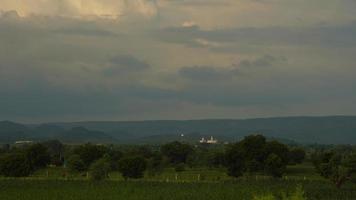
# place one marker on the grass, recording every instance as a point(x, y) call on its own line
point(166, 187)
point(18, 189)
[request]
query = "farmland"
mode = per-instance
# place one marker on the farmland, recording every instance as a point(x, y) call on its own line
point(213, 184)
point(254, 168)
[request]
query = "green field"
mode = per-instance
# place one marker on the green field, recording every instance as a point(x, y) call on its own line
point(135, 190)
point(213, 184)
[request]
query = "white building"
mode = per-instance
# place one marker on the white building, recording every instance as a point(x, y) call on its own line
point(23, 143)
point(208, 141)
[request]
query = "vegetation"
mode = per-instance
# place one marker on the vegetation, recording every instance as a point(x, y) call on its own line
point(255, 155)
point(132, 167)
point(253, 168)
point(336, 166)
point(99, 170)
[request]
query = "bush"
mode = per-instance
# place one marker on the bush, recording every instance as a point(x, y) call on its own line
point(15, 165)
point(132, 167)
point(99, 169)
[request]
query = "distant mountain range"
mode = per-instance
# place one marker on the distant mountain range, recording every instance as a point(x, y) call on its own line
point(322, 130)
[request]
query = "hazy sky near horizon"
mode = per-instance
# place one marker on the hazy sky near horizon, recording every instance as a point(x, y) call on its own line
point(74, 60)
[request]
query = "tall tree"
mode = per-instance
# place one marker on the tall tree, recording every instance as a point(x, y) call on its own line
point(177, 152)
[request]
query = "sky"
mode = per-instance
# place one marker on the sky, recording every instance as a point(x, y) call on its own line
point(79, 60)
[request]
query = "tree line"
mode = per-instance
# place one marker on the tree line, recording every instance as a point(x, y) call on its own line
point(252, 155)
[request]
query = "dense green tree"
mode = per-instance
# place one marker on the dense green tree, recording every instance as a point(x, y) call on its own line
point(177, 152)
point(75, 163)
point(155, 164)
point(235, 160)
point(99, 170)
point(279, 149)
point(296, 156)
point(132, 167)
point(336, 167)
point(89, 153)
point(55, 149)
point(274, 166)
point(254, 154)
point(38, 156)
point(253, 148)
point(113, 156)
point(216, 159)
point(15, 165)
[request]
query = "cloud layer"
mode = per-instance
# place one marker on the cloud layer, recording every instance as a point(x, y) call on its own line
point(108, 9)
point(168, 59)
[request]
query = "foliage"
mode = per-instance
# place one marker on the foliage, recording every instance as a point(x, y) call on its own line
point(253, 148)
point(55, 149)
point(177, 152)
point(23, 162)
point(113, 156)
point(274, 165)
point(279, 149)
point(37, 156)
point(255, 154)
point(296, 156)
point(99, 169)
point(89, 153)
point(15, 165)
point(155, 165)
point(336, 167)
point(235, 160)
point(216, 159)
point(132, 167)
point(180, 167)
point(75, 163)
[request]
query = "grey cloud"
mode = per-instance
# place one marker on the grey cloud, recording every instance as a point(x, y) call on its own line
point(122, 64)
point(206, 73)
point(322, 35)
point(211, 73)
point(86, 32)
point(264, 61)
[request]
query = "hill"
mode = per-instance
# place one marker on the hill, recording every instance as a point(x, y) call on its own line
point(322, 130)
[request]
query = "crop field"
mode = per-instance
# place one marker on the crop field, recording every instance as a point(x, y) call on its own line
point(134, 190)
point(191, 184)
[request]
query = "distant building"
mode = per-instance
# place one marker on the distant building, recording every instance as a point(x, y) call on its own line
point(208, 141)
point(23, 143)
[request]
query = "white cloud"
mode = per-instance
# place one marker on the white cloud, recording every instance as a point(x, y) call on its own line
point(112, 9)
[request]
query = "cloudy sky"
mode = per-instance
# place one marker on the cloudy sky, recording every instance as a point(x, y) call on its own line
point(74, 60)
